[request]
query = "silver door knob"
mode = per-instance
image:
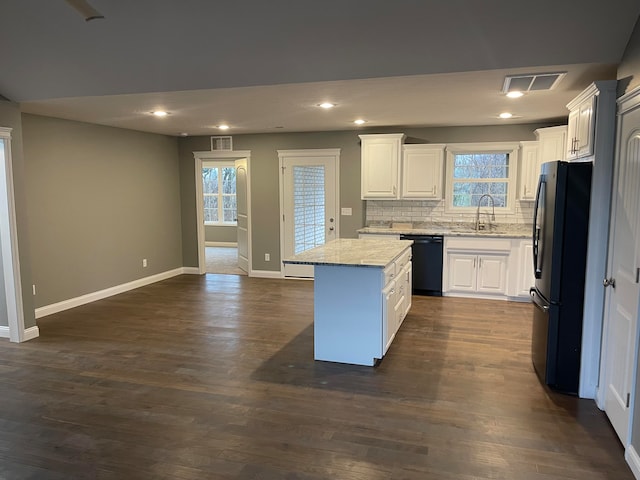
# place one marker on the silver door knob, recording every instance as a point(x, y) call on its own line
point(609, 282)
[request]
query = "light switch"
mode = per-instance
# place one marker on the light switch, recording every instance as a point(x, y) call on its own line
point(345, 211)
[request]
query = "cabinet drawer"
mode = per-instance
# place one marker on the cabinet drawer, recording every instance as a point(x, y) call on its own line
point(389, 273)
point(402, 261)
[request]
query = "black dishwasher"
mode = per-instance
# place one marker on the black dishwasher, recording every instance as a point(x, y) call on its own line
point(426, 264)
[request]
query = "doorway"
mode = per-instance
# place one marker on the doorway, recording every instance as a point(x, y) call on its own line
point(309, 191)
point(236, 256)
point(623, 282)
point(11, 307)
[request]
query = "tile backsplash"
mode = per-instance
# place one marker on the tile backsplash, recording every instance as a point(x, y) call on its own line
point(385, 211)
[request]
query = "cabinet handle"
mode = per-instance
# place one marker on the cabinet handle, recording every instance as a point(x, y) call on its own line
point(435, 190)
point(480, 263)
point(474, 263)
point(394, 190)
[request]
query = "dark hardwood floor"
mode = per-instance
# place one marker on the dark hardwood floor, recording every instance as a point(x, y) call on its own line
point(213, 377)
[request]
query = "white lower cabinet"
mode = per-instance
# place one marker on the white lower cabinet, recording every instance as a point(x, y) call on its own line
point(526, 278)
point(389, 321)
point(476, 267)
point(485, 273)
point(396, 297)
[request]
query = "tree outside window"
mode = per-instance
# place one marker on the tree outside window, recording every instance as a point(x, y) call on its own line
point(478, 169)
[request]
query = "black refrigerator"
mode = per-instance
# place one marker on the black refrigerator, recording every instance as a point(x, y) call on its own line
point(560, 232)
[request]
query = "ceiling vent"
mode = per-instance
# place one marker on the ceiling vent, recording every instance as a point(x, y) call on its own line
point(222, 143)
point(534, 82)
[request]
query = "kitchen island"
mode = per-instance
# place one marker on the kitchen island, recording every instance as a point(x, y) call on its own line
point(362, 292)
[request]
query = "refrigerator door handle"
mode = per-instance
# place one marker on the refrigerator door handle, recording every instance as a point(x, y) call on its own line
point(532, 293)
point(536, 229)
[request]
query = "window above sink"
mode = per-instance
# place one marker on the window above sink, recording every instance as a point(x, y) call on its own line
point(481, 172)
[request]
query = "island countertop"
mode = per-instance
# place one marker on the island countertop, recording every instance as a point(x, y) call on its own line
point(352, 252)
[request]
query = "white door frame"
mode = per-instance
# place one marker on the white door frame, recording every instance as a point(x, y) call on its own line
point(9, 240)
point(627, 103)
point(231, 156)
point(311, 152)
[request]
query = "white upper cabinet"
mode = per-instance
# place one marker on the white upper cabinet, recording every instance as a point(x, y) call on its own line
point(580, 128)
point(550, 146)
point(552, 142)
point(380, 167)
point(422, 171)
point(529, 168)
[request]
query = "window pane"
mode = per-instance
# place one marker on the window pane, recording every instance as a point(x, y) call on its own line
point(480, 165)
point(210, 180)
point(229, 180)
point(229, 208)
point(210, 208)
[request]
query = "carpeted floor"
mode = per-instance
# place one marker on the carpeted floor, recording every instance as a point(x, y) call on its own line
point(223, 260)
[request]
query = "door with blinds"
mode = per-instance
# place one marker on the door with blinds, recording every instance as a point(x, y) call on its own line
point(309, 199)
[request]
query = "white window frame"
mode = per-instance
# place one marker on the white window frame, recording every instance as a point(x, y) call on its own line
point(220, 165)
point(510, 148)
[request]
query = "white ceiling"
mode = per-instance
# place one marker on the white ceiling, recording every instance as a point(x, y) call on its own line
point(264, 66)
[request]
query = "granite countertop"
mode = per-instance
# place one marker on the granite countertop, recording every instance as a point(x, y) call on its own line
point(506, 230)
point(352, 252)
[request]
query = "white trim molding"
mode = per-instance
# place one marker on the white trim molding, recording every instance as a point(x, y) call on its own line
point(28, 334)
point(265, 274)
point(109, 292)
point(633, 460)
point(221, 244)
point(9, 243)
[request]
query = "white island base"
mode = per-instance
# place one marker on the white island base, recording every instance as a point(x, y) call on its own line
point(347, 314)
point(359, 303)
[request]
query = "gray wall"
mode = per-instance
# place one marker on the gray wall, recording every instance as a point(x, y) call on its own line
point(264, 177)
point(10, 116)
point(100, 200)
point(220, 233)
point(629, 69)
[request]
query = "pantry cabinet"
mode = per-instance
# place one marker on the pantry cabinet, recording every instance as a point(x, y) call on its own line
point(421, 172)
point(580, 128)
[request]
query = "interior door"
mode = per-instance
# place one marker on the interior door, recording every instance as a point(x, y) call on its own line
point(309, 206)
point(242, 205)
point(621, 301)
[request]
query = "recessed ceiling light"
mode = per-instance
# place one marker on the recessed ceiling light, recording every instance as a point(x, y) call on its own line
point(160, 113)
point(515, 94)
point(223, 127)
point(359, 121)
point(184, 134)
point(326, 105)
point(506, 115)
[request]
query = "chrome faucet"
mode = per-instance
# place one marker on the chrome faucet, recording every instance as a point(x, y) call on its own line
point(493, 212)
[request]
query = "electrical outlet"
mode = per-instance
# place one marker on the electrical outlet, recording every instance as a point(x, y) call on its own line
point(144, 263)
point(267, 257)
point(346, 211)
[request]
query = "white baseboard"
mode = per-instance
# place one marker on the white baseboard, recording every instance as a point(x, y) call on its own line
point(107, 292)
point(29, 333)
point(221, 244)
point(265, 274)
point(632, 458)
point(191, 270)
